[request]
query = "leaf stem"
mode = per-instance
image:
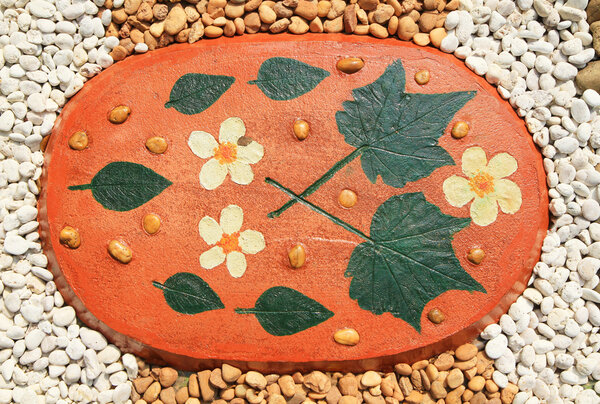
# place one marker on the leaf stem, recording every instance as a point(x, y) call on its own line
point(318, 183)
point(80, 187)
point(158, 285)
point(251, 310)
point(321, 211)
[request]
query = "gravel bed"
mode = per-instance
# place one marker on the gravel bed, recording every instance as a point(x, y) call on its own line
point(548, 342)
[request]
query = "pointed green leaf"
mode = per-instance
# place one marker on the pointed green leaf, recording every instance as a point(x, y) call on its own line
point(123, 186)
point(285, 79)
point(409, 261)
point(397, 131)
point(189, 294)
point(284, 311)
point(195, 92)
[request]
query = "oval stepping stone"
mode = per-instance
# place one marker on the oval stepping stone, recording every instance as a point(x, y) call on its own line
point(409, 214)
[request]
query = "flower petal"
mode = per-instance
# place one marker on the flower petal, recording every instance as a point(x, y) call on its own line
point(231, 130)
point(251, 241)
point(502, 165)
point(484, 211)
point(251, 153)
point(231, 220)
point(202, 144)
point(236, 264)
point(212, 258)
point(241, 173)
point(508, 195)
point(212, 174)
point(210, 231)
point(473, 160)
point(457, 191)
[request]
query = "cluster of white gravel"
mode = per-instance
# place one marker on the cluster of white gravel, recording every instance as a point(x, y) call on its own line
point(547, 344)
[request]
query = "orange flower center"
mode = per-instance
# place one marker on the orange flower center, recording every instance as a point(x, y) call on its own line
point(229, 243)
point(482, 184)
point(226, 153)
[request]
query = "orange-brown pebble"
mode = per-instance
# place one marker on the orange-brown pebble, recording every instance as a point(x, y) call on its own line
point(347, 198)
point(436, 316)
point(422, 77)
point(69, 237)
point(460, 130)
point(119, 251)
point(119, 114)
point(151, 223)
point(346, 336)
point(350, 65)
point(78, 140)
point(157, 145)
point(301, 129)
point(44, 143)
point(297, 256)
point(476, 255)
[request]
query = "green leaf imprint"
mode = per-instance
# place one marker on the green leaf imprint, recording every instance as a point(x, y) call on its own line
point(399, 131)
point(189, 294)
point(285, 79)
point(195, 92)
point(122, 186)
point(409, 259)
point(284, 311)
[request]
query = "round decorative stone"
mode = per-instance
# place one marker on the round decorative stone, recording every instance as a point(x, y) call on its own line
point(235, 192)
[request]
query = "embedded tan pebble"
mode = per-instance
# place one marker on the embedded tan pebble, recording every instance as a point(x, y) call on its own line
point(347, 198)
point(455, 378)
point(301, 129)
point(421, 39)
point(436, 316)
point(403, 369)
point(476, 384)
point(444, 362)
point(69, 237)
point(370, 379)
point(350, 65)
point(466, 352)
point(157, 145)
point(476, 255)
point(119, 251)
point(422, 77)
point(436, 35)
point(297, 256)
point(317, 382)
point(119, 114)
point(151, 394)
point(230, 373)
point(287, 385)
point(460, 130)
point(256, 380)
point(78, 140)
point(167, 377)
point(151, 223)
point(346, 336)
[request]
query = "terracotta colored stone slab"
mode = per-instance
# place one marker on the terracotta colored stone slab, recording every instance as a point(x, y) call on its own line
point(391, 266)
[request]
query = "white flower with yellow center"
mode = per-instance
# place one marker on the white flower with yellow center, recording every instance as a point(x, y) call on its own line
point(229, 243)
point(233, 153)
point(485, 185)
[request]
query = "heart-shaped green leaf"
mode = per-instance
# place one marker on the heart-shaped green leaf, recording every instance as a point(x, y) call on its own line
point(409, 260)
point(123, 186)
point(195, 92)
point(189, 294)
point(284, 311)
point(282, 78)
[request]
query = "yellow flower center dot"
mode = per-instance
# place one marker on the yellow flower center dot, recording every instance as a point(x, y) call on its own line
point(230, 243)
point(226, 153)
point(482, 184)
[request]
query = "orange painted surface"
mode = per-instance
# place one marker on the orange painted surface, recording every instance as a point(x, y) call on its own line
point(120, 299)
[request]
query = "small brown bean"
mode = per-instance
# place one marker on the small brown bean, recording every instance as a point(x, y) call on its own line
point(476, 255)
point(460, 130)
point(346, 336)
point(157, 145)
point(151, 223)
point(119, 114)
point(78, 140)
point(436, 316)
point(347, 198)
point(350, 65)
point(119, 251)
point(297, 256)
point(69, 237)
point(301, 129)
point(422, 77)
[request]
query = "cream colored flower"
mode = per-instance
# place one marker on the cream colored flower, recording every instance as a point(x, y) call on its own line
point(485, 184)
point(233, 153)
point(229, 243)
